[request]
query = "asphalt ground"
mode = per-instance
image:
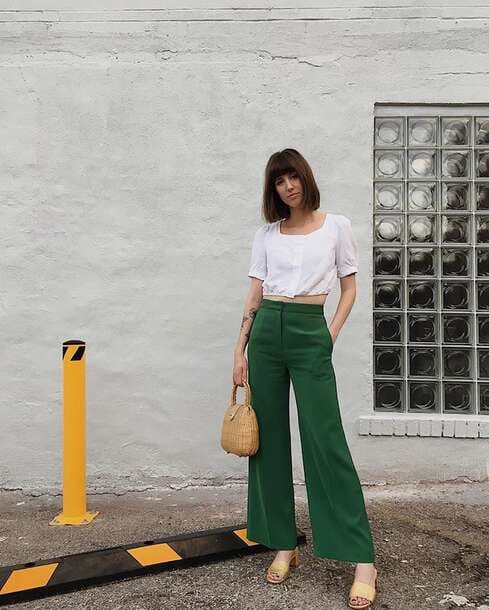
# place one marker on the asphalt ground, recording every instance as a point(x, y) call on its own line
point(432, 544)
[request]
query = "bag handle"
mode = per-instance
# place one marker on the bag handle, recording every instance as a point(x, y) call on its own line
point(235, 389)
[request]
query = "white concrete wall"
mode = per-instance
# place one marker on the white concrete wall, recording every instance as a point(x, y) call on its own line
point(132, 158)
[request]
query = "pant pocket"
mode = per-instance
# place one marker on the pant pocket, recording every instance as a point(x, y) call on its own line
point(254, 331)
point(322, 366)
point(330, 338)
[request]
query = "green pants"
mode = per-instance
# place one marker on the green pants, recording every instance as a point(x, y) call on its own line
point(291, 341)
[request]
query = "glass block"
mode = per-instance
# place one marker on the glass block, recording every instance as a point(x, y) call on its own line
point(421, 163)
point(421, 294)
point(423, 328)
point(455, 229)
point(389, 164)
point(456, 328)
point(455, 164)
point(483, 356)
point(482, 130)
point(431, 262)
point(456, 261)
point(483, 329)
point(457, 362)
point(482, 295)
point(482, 164)
point(389, 395)
point(482, 229)
point(423, 361)
point(389, 131)
point(423, 396)
point(482, 261)
point(421, 228)
point(482, 199)
point(422, 261)
point(388, 261)
point(388, 361)
point(456, 295)
point(388, 327)
point(422, 131)
point(455, 196)
point(455, 131)
point(458, 397)
point(388, 294)
point(388, 228)
point(388, 196)
point(484, 398)
point(421, 196)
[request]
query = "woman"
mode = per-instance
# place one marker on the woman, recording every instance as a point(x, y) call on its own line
point(296, 259)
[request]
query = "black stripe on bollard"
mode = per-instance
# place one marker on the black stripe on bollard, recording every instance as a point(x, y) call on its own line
point(78, 355)
point(79, 352)
point(38, 579)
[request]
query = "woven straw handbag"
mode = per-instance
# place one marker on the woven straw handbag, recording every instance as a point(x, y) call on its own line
point(239, 433)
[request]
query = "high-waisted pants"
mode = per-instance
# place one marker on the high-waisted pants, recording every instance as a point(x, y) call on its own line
point(291, 340)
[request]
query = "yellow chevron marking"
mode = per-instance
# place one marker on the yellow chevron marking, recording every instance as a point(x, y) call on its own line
point(28, 578)
point(154, 553)
point(71, 351)
point(243, 535)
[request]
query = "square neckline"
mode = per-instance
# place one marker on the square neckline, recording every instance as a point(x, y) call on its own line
point(279, 224)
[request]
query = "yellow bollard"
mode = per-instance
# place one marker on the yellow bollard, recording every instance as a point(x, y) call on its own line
point(74, 443)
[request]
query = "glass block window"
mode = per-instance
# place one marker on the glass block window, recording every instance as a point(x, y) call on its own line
point(431, 259)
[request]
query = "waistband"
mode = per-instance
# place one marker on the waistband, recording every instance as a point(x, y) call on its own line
point(314, 308)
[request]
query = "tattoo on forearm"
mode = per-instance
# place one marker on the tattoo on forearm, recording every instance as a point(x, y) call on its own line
point(251, 316)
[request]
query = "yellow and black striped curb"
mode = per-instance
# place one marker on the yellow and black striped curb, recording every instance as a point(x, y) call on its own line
point(51, 576)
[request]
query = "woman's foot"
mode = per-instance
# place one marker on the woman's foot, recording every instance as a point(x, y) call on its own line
point(280, 567)
point(364, 573)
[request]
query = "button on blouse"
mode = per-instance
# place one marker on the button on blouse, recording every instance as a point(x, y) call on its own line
point(293, 265)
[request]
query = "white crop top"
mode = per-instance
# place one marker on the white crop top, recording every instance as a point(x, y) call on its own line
point(293, 265)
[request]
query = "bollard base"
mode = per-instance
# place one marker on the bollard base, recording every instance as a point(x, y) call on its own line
point(83, 519)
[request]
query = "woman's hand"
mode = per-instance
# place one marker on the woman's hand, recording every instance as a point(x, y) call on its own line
point(334, 334)
point(240, 370)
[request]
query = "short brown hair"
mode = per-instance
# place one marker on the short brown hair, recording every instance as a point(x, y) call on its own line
point(283, 162)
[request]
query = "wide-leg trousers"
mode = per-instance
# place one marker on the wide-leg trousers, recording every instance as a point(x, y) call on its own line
point(291, 341)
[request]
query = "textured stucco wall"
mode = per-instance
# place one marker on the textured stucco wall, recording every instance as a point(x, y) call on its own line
point(132, 157)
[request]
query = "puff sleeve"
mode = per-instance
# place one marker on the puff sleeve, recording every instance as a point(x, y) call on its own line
point(346, 249)
point(258, 263)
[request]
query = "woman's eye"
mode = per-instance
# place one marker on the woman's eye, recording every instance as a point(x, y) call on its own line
point(280, 180)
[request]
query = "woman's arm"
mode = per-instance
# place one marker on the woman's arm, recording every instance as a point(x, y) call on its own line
point(345, 304)
point(252, 303)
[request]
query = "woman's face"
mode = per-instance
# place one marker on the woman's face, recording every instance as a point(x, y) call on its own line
point(289, 187)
